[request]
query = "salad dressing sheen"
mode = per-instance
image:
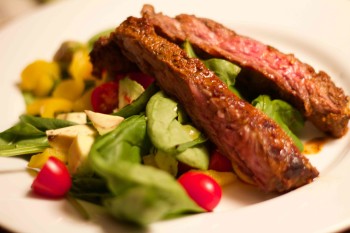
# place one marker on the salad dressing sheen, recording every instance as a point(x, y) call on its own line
point(315, 145)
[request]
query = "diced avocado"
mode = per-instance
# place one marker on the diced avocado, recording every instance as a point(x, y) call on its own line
point(76, 117)
point(103, 123)
point(78, 152)
point(62, 138)
point(129, 90)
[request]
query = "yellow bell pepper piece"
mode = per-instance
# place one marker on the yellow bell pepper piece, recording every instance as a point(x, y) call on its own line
point(84, 102)
point(222, 178)
point(241, 175)
point(38, 160)
point(70, 89)
point(150, 160)
point(39, 77)
point(49, 106)
point(34, 107)
point(80, 67)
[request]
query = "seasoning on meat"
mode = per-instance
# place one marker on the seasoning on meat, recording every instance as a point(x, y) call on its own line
point(266, 68)
point(260, 148)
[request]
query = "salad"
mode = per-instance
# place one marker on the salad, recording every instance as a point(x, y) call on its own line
point(121, 142)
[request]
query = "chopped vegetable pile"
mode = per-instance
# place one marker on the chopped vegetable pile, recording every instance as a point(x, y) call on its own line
point(120, 142)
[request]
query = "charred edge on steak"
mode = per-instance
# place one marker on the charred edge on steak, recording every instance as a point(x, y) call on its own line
point(314, 94)
point(107, 58)
point(260, 148)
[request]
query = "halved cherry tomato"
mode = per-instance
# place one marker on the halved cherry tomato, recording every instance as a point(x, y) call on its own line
point(203, 189)
point(104, 98)
point(143, 79)
point(53, 180)
point(219, 162)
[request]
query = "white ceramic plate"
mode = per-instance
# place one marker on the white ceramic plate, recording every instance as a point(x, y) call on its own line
point(316, 31)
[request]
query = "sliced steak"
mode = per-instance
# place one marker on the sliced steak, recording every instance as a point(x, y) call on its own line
point(260, 148)
point(283, 75)
point(107, 58)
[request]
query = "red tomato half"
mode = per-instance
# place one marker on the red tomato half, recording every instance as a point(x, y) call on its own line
point(104, 98)
point(203, 189)
point(143, 79)
point(219, 162)
point(53, 180)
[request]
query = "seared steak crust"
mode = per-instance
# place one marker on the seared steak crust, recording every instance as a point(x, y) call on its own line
point(248, 137)
point(314, 94)
point(106, 57)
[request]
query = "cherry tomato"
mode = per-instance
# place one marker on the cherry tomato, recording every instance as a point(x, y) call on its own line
point(143, 79)
point(219, 162)
point(203, 189)
point(53, 180)
point(104, 98)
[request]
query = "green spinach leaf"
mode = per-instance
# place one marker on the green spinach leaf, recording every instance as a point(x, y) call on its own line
point(28, 135)
point(138, 105)
point(290, 119)
point(225, 70)
point(140, 194)
point(44, 124)
point(170, 136)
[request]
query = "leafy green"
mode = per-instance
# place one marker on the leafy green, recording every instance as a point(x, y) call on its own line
point(165, 161)
point(94, 38)
point(138, 105)
point(225, 70)
point(28, 135)
point(189, 49)
point(92, 189)
point(18, 149)
point(168, 134)
point(45, 123)
point(290, 119)
point(140, 194)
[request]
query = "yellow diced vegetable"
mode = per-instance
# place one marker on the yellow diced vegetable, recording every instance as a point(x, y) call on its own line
point(149, 160)
point(80, 67)
point(223, 178)
point(84, 102)
point(34, 107)
point(70, 89)
point(49, 106)
point(39, 77)
point(38, 160)
point(44, 86)
point(241, 175)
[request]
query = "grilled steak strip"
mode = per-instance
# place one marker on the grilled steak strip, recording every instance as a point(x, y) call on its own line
point(106, 57)
point(248, 137)
point(314, 94)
